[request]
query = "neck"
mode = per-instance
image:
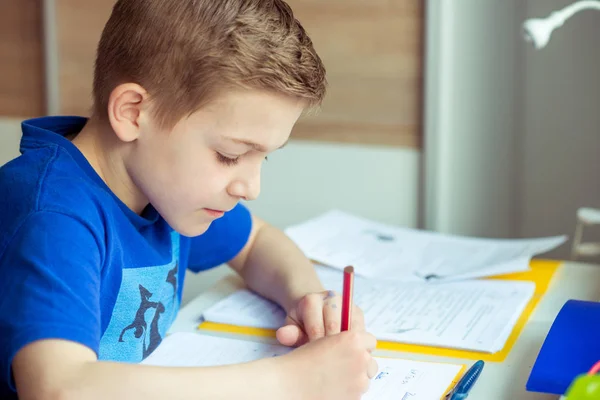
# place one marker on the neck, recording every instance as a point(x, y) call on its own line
point(106, 154)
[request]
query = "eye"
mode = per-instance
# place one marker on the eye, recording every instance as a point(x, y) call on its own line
point(229, 161)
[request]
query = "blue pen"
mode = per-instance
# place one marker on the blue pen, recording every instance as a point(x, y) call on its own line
point(464, 385)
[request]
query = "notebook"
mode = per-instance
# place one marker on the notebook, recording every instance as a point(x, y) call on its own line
point(396, 378)
point(477, 315)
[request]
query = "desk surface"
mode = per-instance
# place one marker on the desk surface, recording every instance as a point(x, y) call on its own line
point(499, 381)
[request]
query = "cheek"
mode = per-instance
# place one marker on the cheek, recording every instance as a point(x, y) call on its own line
point(193, 182)
point(204, 178)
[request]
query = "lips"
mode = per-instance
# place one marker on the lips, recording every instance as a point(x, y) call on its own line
point(214, 213)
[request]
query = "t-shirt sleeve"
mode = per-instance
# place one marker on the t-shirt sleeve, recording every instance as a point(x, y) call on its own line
point(49, 286)
point(223, 240)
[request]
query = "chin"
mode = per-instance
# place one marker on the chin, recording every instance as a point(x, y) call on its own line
point(192, 230)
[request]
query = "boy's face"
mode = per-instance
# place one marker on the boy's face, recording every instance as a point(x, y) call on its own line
point(212, 159)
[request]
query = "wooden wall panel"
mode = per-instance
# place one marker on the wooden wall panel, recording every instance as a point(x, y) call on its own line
point(79, 26)
point(21, 59)
point(372, 50)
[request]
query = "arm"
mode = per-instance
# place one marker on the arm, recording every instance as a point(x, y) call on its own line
point(50, 316)
point(335, 368)
point(273, 266)
point(57, 369)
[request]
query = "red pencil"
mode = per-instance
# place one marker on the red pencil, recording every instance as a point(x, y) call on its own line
point(347, 298)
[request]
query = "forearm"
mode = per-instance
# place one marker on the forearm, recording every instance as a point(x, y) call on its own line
point(278, 270)
point(108, 380)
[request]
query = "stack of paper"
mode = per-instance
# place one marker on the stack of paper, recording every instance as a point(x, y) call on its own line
point(476, 315)
point(379, 251)
point(396, 378)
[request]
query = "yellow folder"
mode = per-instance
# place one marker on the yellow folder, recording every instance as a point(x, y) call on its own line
point(541, 272)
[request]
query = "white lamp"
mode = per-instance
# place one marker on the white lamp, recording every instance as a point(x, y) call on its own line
point(538, 30)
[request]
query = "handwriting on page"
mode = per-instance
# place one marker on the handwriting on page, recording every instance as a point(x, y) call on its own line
point(412, 374)
point(472, 315)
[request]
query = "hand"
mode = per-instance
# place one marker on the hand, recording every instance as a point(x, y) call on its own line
point(332, 368)
point(317, 315)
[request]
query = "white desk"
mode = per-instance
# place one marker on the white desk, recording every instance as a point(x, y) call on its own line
point(499, 381)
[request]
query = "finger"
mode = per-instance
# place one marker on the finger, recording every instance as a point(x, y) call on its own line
point(358, 319)
point(311, 316)
point(370, 342)
point(291, 335)
point(372, 368)
point(332, 315)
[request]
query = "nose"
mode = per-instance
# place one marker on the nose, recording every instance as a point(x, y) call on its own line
point(246, 188)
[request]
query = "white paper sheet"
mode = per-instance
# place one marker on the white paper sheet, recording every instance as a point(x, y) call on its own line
point(476, 315)
point(381, 251)
point(396, 378)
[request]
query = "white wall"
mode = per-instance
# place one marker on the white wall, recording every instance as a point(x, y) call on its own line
point(305, 179)
point(10, 135)
point(471, 126)
point(561, 124)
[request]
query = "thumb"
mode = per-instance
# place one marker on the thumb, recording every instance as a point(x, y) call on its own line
point(291, 334)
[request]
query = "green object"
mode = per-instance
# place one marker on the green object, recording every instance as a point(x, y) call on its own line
point(584, 387)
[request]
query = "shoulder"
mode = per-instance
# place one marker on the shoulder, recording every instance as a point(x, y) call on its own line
point(46, 181)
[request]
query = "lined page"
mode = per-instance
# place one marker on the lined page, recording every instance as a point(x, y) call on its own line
point(474, 315)
point(396, 378)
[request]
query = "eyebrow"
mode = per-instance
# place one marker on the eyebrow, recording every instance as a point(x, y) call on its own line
point(255, 146)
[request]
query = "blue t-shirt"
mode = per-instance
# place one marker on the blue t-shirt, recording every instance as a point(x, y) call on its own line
point(77, 264)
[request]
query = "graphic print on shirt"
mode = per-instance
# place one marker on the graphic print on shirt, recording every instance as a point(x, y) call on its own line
point(146, 306)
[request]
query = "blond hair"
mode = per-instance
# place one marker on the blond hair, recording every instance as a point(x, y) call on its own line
point(183, 52)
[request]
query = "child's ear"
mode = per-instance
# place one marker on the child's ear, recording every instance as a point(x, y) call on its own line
point(125, 106)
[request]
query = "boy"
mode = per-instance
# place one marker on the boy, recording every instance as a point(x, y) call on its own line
point(100, 218)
